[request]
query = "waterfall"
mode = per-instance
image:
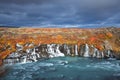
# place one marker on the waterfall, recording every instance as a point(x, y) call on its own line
point(102, 54)
point(98, 54)
point(86, 53)
point(54, 50)
point(109, 54)
point(58, 51)
point(76, 50)
point(50, 50)
point(33, 54)
point(94, 53)
point(67, 49)
point(38, 56)
point(24, 59)
point(8, 61)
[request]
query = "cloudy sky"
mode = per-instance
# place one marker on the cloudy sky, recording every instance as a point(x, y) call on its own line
point(61, 13)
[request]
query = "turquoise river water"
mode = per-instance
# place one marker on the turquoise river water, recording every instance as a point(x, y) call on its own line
point(64, 68)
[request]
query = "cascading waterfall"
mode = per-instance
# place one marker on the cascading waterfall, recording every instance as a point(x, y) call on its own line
point(86, 53)
point(54, 50)
point(109, 54)
point(68, 50)
point(102, 54)
point(50, 50)
point(76, 50)
point(33, 54)
point(96, 53)
point(24, 59)
point(58, 51)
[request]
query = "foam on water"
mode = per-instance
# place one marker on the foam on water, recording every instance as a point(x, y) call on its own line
point(65, 68)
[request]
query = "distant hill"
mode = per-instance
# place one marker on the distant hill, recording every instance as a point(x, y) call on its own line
point(9, 27)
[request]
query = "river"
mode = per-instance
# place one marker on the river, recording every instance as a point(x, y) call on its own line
point(64, 68)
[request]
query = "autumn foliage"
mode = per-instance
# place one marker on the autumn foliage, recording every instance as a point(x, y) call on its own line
point(10, 36)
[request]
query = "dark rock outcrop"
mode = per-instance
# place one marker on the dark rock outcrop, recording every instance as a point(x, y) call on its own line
point(55, 50)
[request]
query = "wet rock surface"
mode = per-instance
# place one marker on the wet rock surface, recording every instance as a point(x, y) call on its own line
point(43, 51)
point(32, 44)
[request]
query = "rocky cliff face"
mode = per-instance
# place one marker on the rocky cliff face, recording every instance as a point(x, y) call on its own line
point(44, 51)
point(31, 44)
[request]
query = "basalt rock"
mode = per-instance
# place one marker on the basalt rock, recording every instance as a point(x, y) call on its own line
point(32, 44)
point(55, 50)
point(42, 50)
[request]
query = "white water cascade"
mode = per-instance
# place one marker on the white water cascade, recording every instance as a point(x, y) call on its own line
point(24, 59)
point(76, 50)
point(33, 54)
point(50, 50)
point(102, 54)
point(54, 50)
point(67, 49)
point(86, 53)
point(94, 52)
point(58, 51)
point(98, 54)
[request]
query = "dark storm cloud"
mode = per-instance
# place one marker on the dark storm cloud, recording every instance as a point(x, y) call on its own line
point(85, 13)
point(24, 2)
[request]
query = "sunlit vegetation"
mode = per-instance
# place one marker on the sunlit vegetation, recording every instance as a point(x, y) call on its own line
point(10, 36)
